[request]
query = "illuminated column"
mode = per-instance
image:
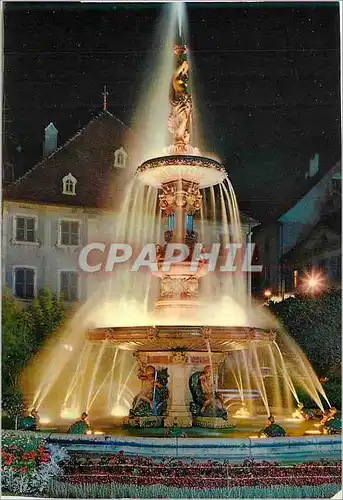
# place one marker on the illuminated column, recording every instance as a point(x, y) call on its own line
point(179, 393)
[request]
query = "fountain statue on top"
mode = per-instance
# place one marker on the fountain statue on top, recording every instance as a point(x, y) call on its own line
point(179, 122)
point(180, 117)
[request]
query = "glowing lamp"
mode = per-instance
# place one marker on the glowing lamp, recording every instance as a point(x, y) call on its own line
point(98, 433)
point(313, 282)
point(89, 433)
point(267, 293)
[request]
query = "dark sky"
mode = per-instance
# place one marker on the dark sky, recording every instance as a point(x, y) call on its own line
point(267, 74)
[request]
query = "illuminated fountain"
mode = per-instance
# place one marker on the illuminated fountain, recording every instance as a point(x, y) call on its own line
point(179, 365)
point(204, 354)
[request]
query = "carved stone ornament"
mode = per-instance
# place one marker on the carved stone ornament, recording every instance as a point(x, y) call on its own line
point(152, 333)
point(206, 332)
point(179, 357)
point(272, 335)
point(180, 194)
point(179, 287)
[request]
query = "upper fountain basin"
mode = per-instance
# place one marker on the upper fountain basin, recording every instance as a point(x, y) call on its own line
point(204, 171)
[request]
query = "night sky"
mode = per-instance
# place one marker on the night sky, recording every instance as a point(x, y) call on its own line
point(267, 75)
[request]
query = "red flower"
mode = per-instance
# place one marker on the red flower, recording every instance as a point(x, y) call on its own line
point(44, 457)
point(23, 469)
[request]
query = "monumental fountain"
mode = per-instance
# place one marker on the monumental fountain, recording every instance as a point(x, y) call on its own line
point(199, 342)
point(178, 364)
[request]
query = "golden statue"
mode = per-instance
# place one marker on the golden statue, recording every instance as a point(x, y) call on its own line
point(179, 121)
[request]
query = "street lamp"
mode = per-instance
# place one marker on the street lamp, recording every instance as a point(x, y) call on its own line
point(313, 282)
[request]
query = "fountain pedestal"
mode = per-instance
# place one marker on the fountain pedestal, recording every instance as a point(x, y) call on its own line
point(181, 365)
point(178, 411)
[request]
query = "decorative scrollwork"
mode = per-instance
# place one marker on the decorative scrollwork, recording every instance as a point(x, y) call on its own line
point(152, 333)
point(272, 335)
point(205, 332)
point(179, 287)
point(179, 357)
point(180, 194)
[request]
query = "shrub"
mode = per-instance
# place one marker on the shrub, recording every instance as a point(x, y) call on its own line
point(14, 406)
point(333, 389)
point(63, 490)
point(172, 472)
point(315, 324)
point(28, 463)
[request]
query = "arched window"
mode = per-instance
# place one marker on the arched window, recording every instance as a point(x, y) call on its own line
point(69, 184)
point(120, 157)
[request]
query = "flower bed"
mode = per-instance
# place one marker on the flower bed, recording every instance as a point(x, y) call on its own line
point(122, 469)
point(28, 463)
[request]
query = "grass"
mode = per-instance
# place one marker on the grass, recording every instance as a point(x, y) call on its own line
point(63, 490)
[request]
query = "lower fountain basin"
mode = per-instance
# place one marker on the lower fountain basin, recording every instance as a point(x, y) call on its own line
point(190, 338)
point(282, 449)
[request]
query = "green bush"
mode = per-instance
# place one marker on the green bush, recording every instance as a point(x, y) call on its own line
point(333, 389)
point(315, 324)
point(63, 490)
point(23, 331)
point(7, 422)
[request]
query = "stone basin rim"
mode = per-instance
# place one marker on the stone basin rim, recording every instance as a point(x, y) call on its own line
point(179, 337)
point(199, 169)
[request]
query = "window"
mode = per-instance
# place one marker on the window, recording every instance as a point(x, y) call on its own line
point(69, 184)
point(120, 157)
point(336, 185)
point(24, 282)
point(69, 289)
point(25, 229)
point(69, 232)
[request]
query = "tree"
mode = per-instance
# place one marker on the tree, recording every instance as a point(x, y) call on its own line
point(315, 323)
point(24, 330)
point(17, 340)
point(47, 312)
point(14, 406)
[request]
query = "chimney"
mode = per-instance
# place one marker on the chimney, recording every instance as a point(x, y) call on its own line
point(314, 167)
point(50, 139)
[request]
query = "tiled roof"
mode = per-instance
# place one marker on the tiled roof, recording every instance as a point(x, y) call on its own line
point(89, 157)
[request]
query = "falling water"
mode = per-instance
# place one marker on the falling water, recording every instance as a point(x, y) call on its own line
point(95, 372)
point(180, 14)
point(109, 404)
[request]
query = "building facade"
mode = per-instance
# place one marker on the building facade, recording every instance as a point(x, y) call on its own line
point(306, 237)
